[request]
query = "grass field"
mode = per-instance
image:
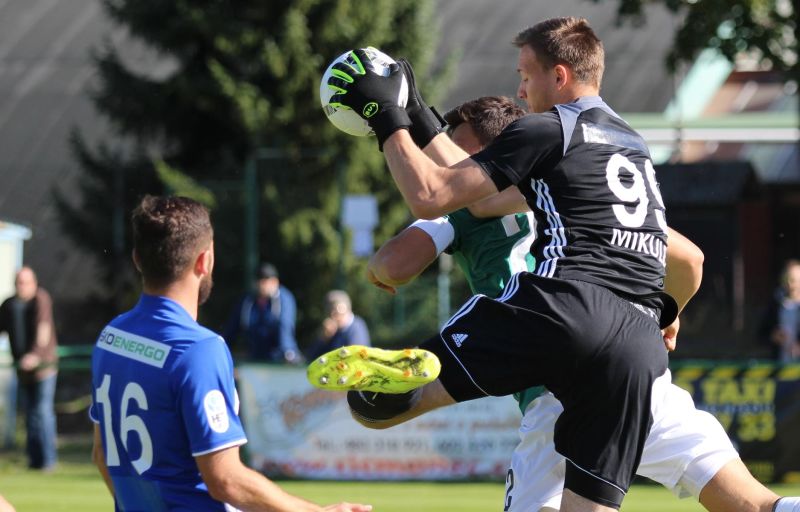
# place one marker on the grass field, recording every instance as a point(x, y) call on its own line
point(75, 486)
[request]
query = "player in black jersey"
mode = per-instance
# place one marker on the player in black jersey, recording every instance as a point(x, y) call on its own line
point(587, 323)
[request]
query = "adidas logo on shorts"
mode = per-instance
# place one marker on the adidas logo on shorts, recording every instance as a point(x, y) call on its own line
point(458, 339)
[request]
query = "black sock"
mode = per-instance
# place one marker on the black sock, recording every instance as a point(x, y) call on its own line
point(372, 406)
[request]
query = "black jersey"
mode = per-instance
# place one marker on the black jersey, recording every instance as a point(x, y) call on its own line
point(589, 180)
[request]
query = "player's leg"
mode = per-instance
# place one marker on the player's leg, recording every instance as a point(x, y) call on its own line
point(594, 350)
point(385, 387)
point(689, 452)
point(535, 480)
point(734, 488)
point(384, 410)
point(607, 417)
point(573, 502)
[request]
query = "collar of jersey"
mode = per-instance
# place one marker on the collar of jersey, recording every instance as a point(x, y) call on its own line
point(152, 302)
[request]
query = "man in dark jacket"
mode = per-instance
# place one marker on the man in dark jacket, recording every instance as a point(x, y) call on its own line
point(27, 317)
point(266, 319)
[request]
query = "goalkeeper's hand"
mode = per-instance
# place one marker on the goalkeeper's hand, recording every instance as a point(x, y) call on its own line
point(370, 95)
point(426, 122)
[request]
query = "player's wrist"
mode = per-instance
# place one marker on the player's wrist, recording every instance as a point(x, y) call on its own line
point(388, 121)
point(426, 124)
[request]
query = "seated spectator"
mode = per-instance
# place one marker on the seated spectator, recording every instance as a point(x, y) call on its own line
point(266, 319)
point(781, 325)
point(341, 327)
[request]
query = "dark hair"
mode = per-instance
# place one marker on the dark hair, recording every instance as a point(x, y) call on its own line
point(168, 234)
point(487, 115)
point(568, 41)
point(266, 271)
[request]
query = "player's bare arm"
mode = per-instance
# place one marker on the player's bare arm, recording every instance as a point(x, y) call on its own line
point(99, 459)
point(401, 259)
point(229, 481)
point(507, 202)
point(431, 190)
point(444, 151)
point(684, 273)
point(684, 268)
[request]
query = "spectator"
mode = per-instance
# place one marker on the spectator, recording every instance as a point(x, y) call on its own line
point(27, 317)
point(266, 318)
point(781, 325)
point(341, 327)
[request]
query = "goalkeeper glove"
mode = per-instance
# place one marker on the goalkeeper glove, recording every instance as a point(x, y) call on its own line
point(371, 95)
point(426, 121)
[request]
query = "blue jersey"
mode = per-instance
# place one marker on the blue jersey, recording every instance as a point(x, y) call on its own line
point(163, 393)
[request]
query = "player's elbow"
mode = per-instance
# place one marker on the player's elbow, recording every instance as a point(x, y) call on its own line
point(693, 263)
point(426, 209)
point(390, 268)
point(696, 260)
point(426, 204)
point(222, 487)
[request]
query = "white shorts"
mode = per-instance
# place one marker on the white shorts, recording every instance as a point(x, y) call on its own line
point(686, 447)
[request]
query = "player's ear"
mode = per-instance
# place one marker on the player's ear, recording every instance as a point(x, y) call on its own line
point(204, 263)
point(135, 258)
point(563, 75)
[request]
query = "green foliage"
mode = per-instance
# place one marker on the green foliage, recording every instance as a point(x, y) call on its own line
point(768, 27)
point(232, 79)
point(180, 184)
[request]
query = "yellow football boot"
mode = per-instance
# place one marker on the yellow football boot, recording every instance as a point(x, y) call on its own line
point(360, 368)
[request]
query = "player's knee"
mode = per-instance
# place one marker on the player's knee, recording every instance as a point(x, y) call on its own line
point(376, 410)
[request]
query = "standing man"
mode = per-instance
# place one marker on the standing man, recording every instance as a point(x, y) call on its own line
point(267, 319)
point(27, 317)
point(706, 467)
point(587, 323)
point(167, 431)
point(341, 327)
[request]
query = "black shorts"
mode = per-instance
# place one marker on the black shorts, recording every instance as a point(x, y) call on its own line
point(598, 353)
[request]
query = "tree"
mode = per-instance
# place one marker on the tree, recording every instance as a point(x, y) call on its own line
point(769, 28)
point(234, 78)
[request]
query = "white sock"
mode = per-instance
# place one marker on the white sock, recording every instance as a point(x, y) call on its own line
point(789, 504)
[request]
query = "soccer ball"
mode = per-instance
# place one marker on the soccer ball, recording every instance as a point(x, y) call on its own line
point(344, 118)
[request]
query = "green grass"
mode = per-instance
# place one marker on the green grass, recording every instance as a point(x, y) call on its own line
point(75, 486)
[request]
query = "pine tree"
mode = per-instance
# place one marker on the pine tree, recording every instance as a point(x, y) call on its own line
point(237, 80)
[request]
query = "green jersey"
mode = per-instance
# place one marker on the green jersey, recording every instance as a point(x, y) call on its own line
point(489, 251)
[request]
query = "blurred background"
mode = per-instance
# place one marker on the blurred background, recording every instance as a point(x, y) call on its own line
point(102, 102)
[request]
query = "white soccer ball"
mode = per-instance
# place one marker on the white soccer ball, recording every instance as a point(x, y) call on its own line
point(344, 118)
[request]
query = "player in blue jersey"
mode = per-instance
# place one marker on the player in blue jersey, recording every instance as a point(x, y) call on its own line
point(588, 322)
point(167, 430)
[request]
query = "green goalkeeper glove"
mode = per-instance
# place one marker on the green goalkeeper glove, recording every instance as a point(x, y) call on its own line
point(371, 95)
point(426, 122)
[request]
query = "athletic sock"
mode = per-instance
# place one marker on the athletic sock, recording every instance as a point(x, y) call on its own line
point(788, 504)
point(374, 407)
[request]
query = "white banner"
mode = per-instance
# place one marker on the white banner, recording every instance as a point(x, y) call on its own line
point(299, 431)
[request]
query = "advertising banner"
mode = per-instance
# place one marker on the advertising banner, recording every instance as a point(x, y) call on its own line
point(296, 430)
point(759, 406)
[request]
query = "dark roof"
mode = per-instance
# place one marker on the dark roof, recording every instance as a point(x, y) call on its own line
point(707, 184)
point(636, 79)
